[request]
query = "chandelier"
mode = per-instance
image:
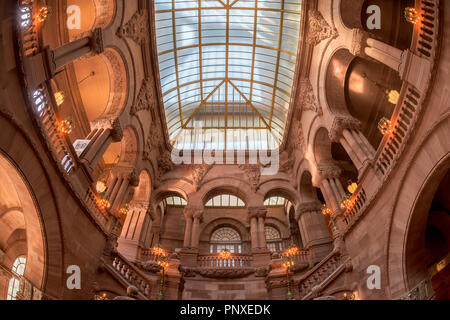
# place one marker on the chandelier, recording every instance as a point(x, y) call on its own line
point(325, 210)
point(385, 126)
point(411, 15)
point(346, 202)
point(225, 254)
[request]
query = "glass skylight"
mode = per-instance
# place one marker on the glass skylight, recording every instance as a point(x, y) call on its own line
point(275, 202)
point(225, 200)
point(175, 201)
point(226, 69)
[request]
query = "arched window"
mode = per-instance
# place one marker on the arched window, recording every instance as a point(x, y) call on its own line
point(225, 200)
point(225, 238)
point(273, 239)
point(175, 201)
point(14, 284)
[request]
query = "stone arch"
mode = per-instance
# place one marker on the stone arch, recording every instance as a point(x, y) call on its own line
point(336, 81)
point(208, 229)
point(129, 148)
point(414, 196)
point(351, 13)
point(284, 190)
point(22, 232)
point(234, 186)
point(308, 193)
point(224, 190)
point(322, 146)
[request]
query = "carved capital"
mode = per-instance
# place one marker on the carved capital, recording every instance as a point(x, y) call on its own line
point(359, 41)
point(329, 169)
point(257, 212)
point(146, 98)
point(198, 173)
point(112, 124)
point(340, 124)
point(193, 212)
point(314, 206)
point(253, 173)
point(137, 28)
point(133, 177)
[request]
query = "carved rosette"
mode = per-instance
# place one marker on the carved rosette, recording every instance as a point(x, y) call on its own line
point(253, 174)
point(340, 124)
point(319, 29)
point(198, 173)
point(146, 98)
point(137, 28)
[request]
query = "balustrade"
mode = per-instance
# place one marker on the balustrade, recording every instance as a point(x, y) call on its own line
point(132, 275)
point(216, 261)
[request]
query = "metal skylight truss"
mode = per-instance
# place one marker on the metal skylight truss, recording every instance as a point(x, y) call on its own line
point(227, 66)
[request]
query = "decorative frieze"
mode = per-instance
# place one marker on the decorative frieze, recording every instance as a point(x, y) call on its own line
point(137, 28)
point(307, 98)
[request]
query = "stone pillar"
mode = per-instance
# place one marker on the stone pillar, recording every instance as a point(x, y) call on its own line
point(411, 67)
point(188, 215)
point(256, 216)
point(345, 130)
point(261, 230)
point(104, 132)
point(315, 231)
point(331, 186)
point(197, 218)
point(122, 179)
point(43, 66)
point(254, 231)
point(136, 226)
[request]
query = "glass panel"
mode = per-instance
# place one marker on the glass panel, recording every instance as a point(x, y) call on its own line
point(226, 70)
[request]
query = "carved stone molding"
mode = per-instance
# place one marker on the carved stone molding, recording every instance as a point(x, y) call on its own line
point(198, 173)
point(165, 164)
point(133, 177)
point(329, 169)
point(97, 43)
point(314, 206)
point(359, 42)
point(253, 173)
point(307, 98)
point(193, 212)
point(109, 123)
point(340, 124)
point(146, 97)
point(257, 212)
point(319, 29)
point(231, 273)
point(136, 28)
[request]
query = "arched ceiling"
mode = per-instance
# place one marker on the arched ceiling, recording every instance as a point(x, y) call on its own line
point(227, 66)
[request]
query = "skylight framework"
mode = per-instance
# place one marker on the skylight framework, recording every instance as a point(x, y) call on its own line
point(227, 70)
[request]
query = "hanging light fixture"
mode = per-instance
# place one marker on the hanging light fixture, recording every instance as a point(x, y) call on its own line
point(103, 204)
point(225, 254)
point(385, 126)
point(292, 250)
point(391, 94)
point(352, 186)
point(411, 15)
point(60, 96)
point(124, 210)
point(100, 186)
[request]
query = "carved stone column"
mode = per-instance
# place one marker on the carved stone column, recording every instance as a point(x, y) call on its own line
point(256, 216)
point(315, 231)
point(104, 132)
point(345, 130)
point(188, 215)
point(261, 230)
point(122, 179)
point(331, 186)
point(43, 66)
point(197, 218)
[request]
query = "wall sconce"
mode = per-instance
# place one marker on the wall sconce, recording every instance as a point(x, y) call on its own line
point(325, 210)
point(352, 186)
point(348, 296)
point(65, 126)
point(101, 297)
point(60, 96)
point(100, 186)
point(385, 126)
point(124, 210)
point(411, 15)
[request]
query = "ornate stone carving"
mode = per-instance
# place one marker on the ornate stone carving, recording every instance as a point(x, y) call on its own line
point(359, 42)
point(198, 173)
point(262, 271)
point(224, 273)
point(253, 173)
point(109, 123)
point(146, 97)
point(319, 29)
point(97, 44)
point(133, 177)
point(314, 206)
point(165, 164)
point(287, 166)
point(136, 28)
point(329, 169)
point(257, 212)
point(119, 84)
point(307, 98)
point(341, 123)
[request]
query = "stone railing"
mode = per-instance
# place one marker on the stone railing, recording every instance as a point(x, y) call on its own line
point(424, 45)
point(218, 262)
point(44, 111)
point(423, 291)
point(131, 275)
point(316, 278)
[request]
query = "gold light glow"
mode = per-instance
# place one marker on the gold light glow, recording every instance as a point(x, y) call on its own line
point(43, 14)
point(346, 202)
point(124, 210)
point(352, 186)
point(100, 186)
point(411, 15)
point(393, 96)
point(158, 251)
point(293, 250)
point(385, 126)
point(103, 204)
point(60, 96)
point(225, 254)
point(325, 210)
point(65, 126)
